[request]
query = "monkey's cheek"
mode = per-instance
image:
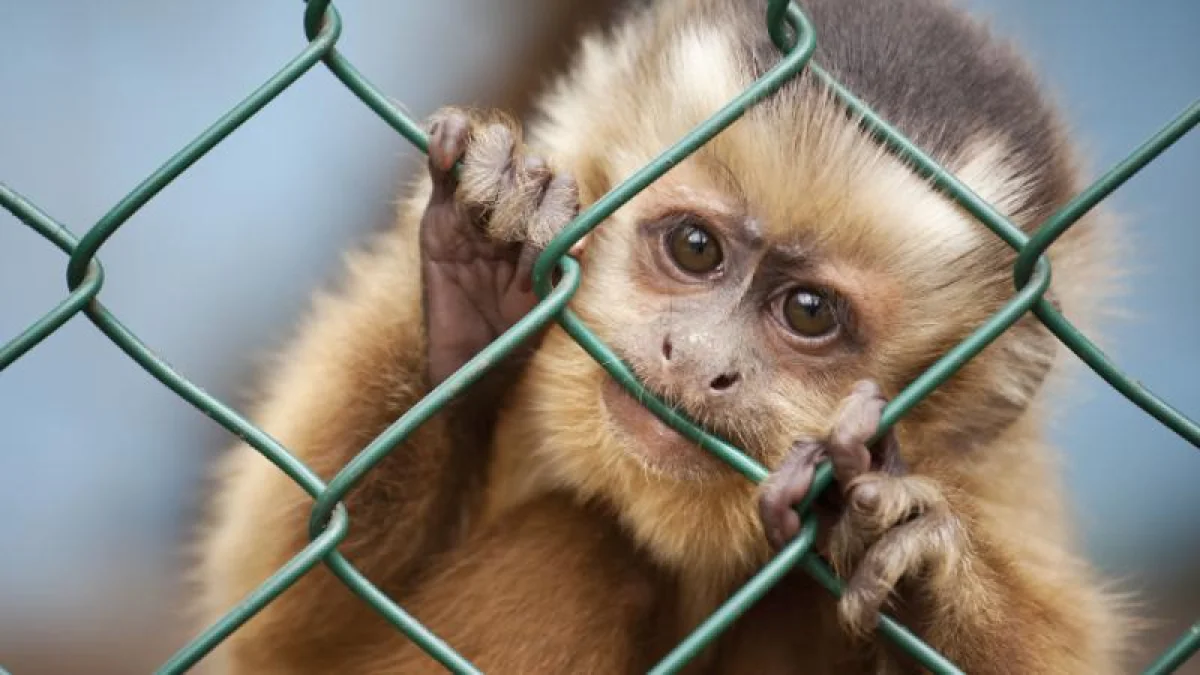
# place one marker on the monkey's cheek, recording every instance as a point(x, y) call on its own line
point(651, 442)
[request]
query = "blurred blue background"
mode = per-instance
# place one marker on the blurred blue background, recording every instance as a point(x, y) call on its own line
point(101, 467)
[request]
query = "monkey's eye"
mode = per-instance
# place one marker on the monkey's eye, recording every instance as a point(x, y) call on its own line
point(809, 313)
point(693, 249)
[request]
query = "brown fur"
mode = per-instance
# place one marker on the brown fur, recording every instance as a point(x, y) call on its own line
point(595, 598)
point(460, 534)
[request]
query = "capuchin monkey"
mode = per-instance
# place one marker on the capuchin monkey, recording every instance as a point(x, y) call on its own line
point(777, 286)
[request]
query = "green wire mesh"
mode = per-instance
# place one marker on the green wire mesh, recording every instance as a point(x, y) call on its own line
point(794, 36)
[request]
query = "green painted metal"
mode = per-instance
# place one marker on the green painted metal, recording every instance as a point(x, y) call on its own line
point(792, 33)
point(741, 601)
point(73, 303)
point(1175, 656)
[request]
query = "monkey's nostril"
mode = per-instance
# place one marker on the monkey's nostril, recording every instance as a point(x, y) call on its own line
point(666, 348)
point(724, 382)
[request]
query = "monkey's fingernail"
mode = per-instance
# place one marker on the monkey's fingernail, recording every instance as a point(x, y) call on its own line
point(577, 247)
point(535, 165)
point(865, 496)
point(867, 389)
point(447, 136)
point(444, 157)
point(773, 536)
point(784, 529)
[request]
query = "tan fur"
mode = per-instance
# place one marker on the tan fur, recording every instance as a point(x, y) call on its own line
point(922, 274)
point(585, 609)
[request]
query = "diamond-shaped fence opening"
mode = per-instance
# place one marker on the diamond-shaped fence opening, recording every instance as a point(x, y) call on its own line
point(793, 35)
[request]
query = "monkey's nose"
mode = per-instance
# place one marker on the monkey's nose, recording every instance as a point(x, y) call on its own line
point(667, 349)
point(724, 383)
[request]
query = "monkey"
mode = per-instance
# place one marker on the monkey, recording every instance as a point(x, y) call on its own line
point(778, 286)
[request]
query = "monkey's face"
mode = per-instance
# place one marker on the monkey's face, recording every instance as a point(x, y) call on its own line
point(756, 281)
point(754, 337)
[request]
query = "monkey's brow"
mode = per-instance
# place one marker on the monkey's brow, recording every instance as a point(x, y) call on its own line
point(726, 179)
point(752, 232)
point(790, 255)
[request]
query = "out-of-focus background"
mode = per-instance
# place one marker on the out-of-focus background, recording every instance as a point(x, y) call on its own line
point(101, 468)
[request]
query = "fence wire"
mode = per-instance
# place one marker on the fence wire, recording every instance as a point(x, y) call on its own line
point(793, 34)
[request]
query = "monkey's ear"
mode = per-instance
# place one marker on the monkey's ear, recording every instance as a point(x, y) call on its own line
point(996, 387)
point(1019, 367)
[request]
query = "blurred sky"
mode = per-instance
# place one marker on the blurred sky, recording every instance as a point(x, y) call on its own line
point(101, 467)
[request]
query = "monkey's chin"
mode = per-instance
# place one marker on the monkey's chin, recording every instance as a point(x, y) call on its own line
point(655, 445)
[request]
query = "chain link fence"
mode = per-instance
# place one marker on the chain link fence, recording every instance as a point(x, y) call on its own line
point(792, 33)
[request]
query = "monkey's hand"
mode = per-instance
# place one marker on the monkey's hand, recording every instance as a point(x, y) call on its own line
point(480, 234)
point(892, 526)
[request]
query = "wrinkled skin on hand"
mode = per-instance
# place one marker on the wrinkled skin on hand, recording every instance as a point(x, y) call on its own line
point(888, 524)
point(476, 287)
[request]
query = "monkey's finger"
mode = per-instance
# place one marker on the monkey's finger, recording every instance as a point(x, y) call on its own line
point(908, 550)
point(515, 215)
point(874, 503)
point(448, 134)
point(877, 502)
point(502, 184)
point(559, 204)
point(783, 489)
point(525, 263)
point(856, 422)
point(885, 455)
point(530, 180)
point(487, 168)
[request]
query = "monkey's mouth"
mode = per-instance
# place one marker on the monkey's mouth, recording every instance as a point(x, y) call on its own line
point(653, 443)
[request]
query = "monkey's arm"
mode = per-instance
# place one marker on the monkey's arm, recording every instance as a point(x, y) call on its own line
point(961, 585)
point(366, 355)
point(549, 587)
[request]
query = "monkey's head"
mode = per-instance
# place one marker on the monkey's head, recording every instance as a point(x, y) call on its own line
point(755, 282)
